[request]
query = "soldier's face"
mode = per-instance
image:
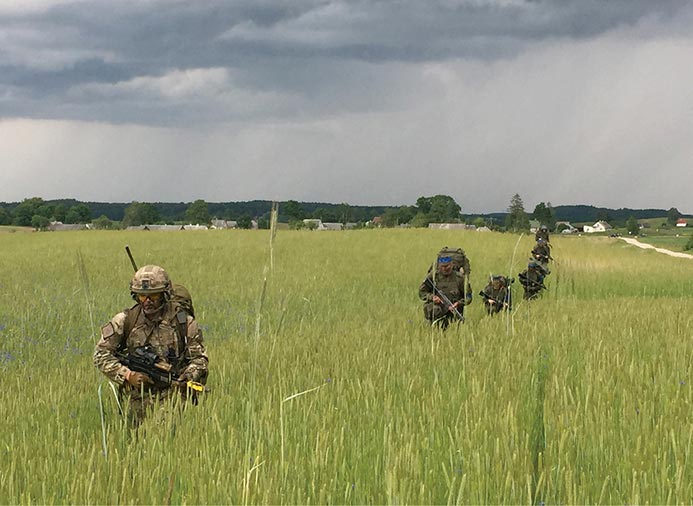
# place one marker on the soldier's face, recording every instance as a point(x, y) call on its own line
point(445, 268)
point(496, 284)
point(151, 302)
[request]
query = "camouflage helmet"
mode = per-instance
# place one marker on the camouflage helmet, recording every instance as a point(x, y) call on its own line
point(543, 227)
point(150, 279)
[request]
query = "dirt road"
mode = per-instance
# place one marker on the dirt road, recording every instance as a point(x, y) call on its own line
point(643, 245)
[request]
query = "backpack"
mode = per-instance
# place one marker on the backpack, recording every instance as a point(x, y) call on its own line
point(182, 302)
point(459, 259)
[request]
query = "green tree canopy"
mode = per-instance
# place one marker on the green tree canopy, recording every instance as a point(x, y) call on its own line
point(292, 210)
point(544, 214)
point(517, 218)
point(5, 216)
point(437, 209)
point(26, 210)
point(673, 216)
point(198, 212)
point(39, 222)
point(140, 213)
point(245, 221)
point(78, 214)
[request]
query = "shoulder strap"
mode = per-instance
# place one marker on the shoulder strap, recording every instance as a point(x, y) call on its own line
point(131, 316)
point(182, 328)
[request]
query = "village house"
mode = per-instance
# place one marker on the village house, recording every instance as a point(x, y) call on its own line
point(600, 226)
point(681, 222)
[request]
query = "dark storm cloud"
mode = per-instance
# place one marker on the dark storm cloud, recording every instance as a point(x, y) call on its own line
point(79, 60)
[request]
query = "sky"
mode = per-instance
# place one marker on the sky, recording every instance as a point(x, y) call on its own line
point(368, 102)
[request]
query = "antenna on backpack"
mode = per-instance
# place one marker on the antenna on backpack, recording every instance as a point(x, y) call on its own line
point(132, 260)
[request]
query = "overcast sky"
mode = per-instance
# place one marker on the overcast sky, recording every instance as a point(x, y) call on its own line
point(373, 102)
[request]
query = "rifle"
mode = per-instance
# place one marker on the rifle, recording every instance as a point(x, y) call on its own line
point(524, 281)
point(446, 301)
point(491, 299)
point(163, 374)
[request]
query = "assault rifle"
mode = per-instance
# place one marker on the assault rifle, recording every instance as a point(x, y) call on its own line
point(446, 301)
point(496, 302)
point(162, 373)
point(528, 282)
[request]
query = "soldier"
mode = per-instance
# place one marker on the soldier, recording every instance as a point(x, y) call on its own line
point(162, 325)
point(542, 233)
point(542, 253)
point(497, 294)
point(445, 293)
point(532, 280)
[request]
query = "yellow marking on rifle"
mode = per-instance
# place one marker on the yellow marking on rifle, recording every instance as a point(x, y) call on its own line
point(194, 385)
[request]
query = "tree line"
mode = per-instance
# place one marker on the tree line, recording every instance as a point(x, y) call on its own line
point(37, 213)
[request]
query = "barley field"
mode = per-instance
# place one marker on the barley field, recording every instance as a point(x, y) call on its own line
point(326, 387)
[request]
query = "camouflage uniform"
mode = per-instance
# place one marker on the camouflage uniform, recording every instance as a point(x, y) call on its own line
point(542, 233)
point(542, 253)
point(452, 285)
point(501, 295)
point(532, 280)
point(161, 333)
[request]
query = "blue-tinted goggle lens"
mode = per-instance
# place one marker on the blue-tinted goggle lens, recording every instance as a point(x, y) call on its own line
point(444, 260)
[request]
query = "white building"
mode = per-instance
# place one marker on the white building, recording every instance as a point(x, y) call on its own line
point(600, 226)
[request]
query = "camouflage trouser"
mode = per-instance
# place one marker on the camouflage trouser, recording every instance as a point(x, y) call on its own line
point(531, 292)
point(159, 403)
point(435, 313)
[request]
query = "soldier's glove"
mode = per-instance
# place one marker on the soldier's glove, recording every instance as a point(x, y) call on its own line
point(137, 379)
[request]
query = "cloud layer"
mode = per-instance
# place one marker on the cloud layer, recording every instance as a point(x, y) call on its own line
point(367, 102)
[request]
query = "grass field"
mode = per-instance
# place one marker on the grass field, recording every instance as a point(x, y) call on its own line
point(583, 396)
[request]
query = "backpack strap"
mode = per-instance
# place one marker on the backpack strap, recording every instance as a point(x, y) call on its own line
point(182, 330)
point(131, 316)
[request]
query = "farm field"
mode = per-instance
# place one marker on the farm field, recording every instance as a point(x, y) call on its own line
point(327, 387)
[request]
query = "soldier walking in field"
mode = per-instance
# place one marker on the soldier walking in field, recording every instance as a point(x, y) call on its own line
point(160, 331)
point(497, 294)
point(532, 280)
point(542, 233)
point(542, 253)
point(446, 289)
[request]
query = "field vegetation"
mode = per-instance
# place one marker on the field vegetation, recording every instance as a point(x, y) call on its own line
point(327, 387)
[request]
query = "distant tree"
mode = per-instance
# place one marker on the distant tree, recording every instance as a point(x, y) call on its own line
point(103, 223)
point(5, 216)
point(632, 226)
point(140, 213)
point(673, 216)
point(344, 213)
point(544, 214)
point(78, 214)
point(244, 221)
point(395, 216)
point(420, 220)
point(26, 210)
point(444, 209)
point(517, 218)
point(198, 212)
point(479, 222)
point(59, 212)
point(438, 209)
point(263, 222)
point(424, 204)
point(292, 210)
point(40, 222)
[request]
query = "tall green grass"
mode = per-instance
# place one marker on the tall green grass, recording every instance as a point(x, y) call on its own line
point(341, 394)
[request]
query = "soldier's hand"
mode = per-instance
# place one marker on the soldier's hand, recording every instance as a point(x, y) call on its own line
point(137, 379)
point(437, 299)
